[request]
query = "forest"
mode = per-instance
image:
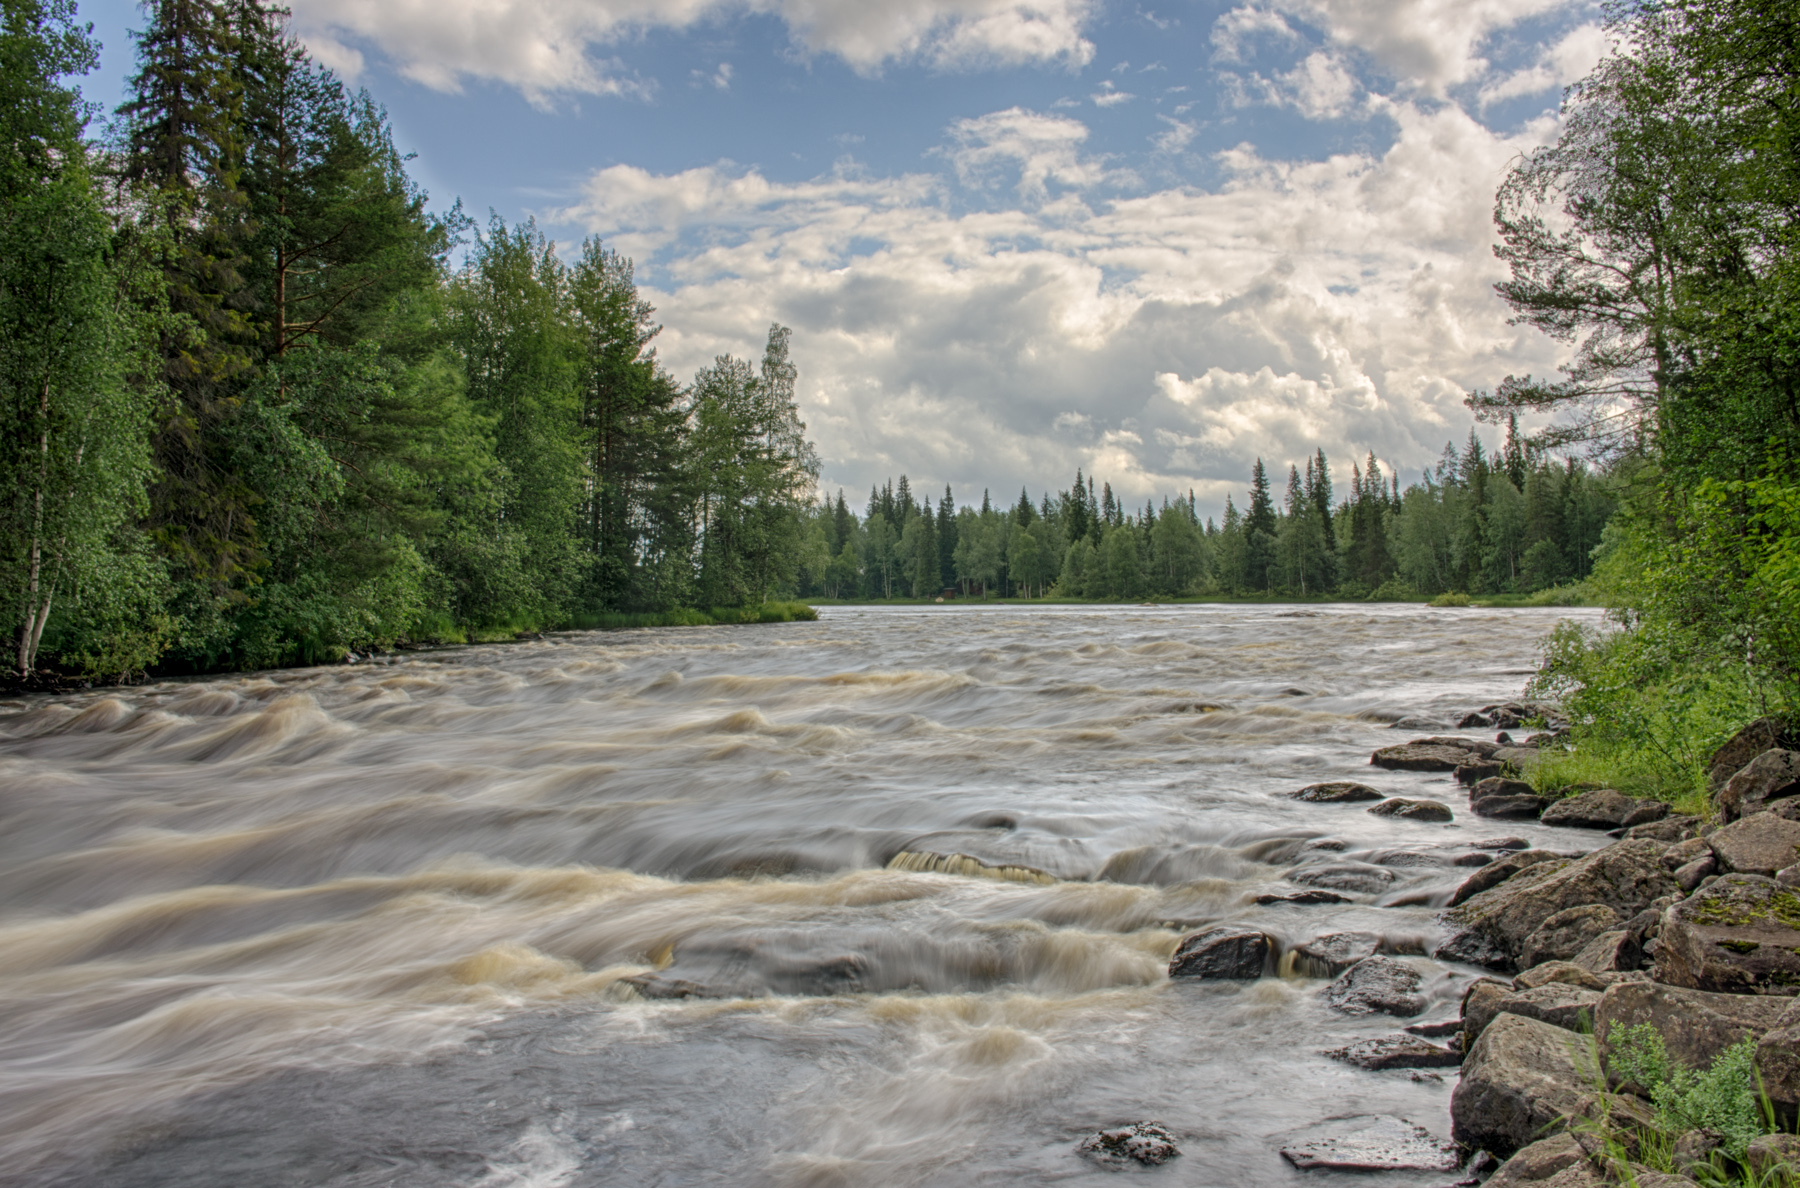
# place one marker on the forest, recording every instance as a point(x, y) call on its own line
point(1521, 522)
point(260, 406)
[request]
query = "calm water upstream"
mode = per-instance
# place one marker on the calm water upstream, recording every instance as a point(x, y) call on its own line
point(367, 925)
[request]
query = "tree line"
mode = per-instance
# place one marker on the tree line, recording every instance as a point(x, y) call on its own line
point(259, 405)
point(1516, 523)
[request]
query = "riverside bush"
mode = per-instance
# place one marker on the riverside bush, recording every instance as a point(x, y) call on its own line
point(1721, 1097)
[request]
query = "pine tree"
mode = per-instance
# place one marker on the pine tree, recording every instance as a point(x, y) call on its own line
point(946, 538)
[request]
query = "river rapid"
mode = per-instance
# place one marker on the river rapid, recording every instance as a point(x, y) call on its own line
point(373, 924)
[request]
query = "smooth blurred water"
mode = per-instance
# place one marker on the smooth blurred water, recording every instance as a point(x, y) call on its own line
point(367, 925)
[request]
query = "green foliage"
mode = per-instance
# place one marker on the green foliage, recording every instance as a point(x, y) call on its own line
point(1722, 1097)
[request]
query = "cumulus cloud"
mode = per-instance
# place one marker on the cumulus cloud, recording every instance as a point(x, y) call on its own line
point(1320, 87)
point(546, 47)
point(1160, 340)
point(1573, 57)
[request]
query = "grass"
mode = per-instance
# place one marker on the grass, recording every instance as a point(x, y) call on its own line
point(1594, 764)
point(718, 616)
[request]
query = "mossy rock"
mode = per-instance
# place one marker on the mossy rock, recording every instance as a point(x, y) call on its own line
point(1741, 935)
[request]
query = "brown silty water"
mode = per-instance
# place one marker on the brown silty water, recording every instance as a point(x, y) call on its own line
point(919, 872)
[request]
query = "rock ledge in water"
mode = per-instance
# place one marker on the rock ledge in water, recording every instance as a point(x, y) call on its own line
point(1223, 952)
point(1337, 792)
point(1413, 810)
point(1396, 1051)
point(1372, 1143)
point(1377, 984)
point(1146, 1142)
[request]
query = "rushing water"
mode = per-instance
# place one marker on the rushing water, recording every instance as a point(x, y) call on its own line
point(369, 925)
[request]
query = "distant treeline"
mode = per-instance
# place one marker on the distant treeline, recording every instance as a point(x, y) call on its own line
point(1512, 524)
point(253, 413)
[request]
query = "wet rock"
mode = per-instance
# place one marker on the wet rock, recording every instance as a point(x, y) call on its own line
point(1684, 852)
point(1764, 734)
point(1371, 1143)
point(1625, 877)
point(1500, 786)
point(1365, 880)
point(1773, 1156)
point(1225, 952)
point(1521, 758)
point(1503, 843)
point(1329, 956)
point(1522, 1079)
point(1304, 897)
point(1417, 723)
point(1142, 1142)
point(1604, 808)
point(1565, 972)
point(1377, 984)
point(1477, 770)
point(1538, 1162)
point(1338, 792)
point(1615, 951)
point(1432, 754)
point(1517, 808)
point(1557, 1004)
point(1406, 859)
point(1696, 1025)
point(1396, 1051)
point(652, 985)
point(1509, 715)
point(1472, 948)
point(1738, 935)
point(1762, 844)
point(1566, 933)
point(1435, 1030)
point(1474, 858)
point(1673, 828)
point(1413, 810)
point(1501, 869)
point(1771, 777)
point(930, 862)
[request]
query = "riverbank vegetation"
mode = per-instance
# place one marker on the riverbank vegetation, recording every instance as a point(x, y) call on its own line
point(1657, 238)
point(1522, 527)
point(260, 406)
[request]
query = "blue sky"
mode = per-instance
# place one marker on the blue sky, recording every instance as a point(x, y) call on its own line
point(1013, 237)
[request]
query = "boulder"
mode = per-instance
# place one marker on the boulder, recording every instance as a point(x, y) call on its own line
point(1774, 1157)
point(1306, 897)
point(1567, 933)
point(1377, 984)
point(1738, 935)
point(1604, 808)
point(1625, 877)
point(1684, 852)
point(1516, 808)
point(1371, 1143)
point(1522, 1078)
point(1520, 758)
point(1539, 1161)
point(1557, 1004)
point(1477, 770)
point(1764, 734)
point(1696, 1025)
point(1329, 956)
point(1509, 715)
point(1338, 792)
point(1673, 828)
point(1432, 754)
point(1565, 972)
point(1759, 785)
point(1778, 1057)
point(1696, 872)
point(1761, 843)
point(1142, 1142)
point(1343, 876)
point(1500, 786)
point(1472, 949)
point(1226, 952)
point(1413, 810)
point(1501, 869)
point(1616, 951)
point(1396, 1051)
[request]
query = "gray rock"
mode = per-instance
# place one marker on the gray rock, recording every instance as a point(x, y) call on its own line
point(1522, 1079)
point(1761, 843)
point(1616, 951)
point(1566, 933)
point(1778, 1057)
point(1501, 869)
point(1142, 1142)
point(1226, 952)
point(1672, 828)
point(1764, 734)
point(1477, 770)
point(1696, 872)
point(1503, 843)
point(1773, 1155)
point(1371, 1143)
point(1304, 897)
point(1508, 715)
point(1413, 810)
point(1696, 1025)
point(1519, 758)
point(1557, 1004)
point(1625, 877)
point(1517, 808)
point(1604, 808)
point(1329, 956)
point(1539, 1161)
point(1684, 852)
point(1338, 792)
point(1377, 984)
point(1396, 1051)
point(1432, 754)
point(1472, 948)
point(1437, 1029)
point(1738, 935)
point(1365, 880)
point(1565, 972)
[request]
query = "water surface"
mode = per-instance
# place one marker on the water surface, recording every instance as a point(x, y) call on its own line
point(374, 925)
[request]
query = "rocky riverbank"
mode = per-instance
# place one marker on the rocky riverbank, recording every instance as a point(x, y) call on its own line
point(1689, 924)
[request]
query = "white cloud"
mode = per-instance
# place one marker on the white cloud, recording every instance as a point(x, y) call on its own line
point(1320, 87)
point(1159, 341)
point(1234, 33)
point(544, 47)
point(1571, 58)
point(1110, 96)
point(1175, 137)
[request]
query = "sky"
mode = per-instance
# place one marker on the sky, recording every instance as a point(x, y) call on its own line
point(1013, 237)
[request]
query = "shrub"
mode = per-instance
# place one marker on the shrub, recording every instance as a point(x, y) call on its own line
point(1721, 1097)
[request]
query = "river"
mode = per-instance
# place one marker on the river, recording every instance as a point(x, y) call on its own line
point(370, 925)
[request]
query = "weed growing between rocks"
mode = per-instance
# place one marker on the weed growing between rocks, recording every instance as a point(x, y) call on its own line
point(1722, 1097)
